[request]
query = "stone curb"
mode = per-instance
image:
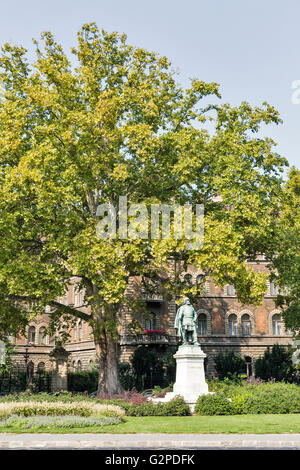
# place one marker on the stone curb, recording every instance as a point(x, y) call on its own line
point(149, 441)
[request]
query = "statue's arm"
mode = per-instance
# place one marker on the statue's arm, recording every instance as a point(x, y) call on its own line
point(195, 316)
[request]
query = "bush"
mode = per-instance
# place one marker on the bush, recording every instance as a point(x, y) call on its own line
point(209, 405)
point(175, 407)
point(127, 376)
point(65, 397)
point(266, 398)
point(83, 381)
point(59, 409)
point(276, 364)
point(229, 365)
point(53, 422)
point(130, 396)
point(148, 368)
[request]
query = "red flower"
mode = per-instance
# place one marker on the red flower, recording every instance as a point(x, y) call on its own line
point(155, 331)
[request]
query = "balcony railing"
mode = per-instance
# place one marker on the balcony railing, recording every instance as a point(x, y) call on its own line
point(148, 338)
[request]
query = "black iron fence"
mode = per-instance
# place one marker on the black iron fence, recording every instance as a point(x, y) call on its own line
point(18, 381)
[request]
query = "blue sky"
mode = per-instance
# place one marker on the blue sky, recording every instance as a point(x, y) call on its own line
point(251, 48)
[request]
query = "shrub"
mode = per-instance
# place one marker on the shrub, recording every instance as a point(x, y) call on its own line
point(53, 422)
point(175, 407)
point(276, 364)
point(83, 381)
point(52, 409)
point(130, 396)
point(266, 398)
point(127, 377)
point(148, 367)
point(229, 365)
point(65, 397)
point(213, 405)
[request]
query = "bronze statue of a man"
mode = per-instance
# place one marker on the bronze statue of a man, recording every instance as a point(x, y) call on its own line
point(185, 323)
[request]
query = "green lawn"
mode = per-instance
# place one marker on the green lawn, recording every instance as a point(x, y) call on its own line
point(247, 424)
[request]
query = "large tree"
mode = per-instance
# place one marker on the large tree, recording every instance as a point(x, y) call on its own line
point(285, 257)
point(110, 121)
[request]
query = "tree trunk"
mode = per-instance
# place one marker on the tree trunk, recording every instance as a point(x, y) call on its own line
point(107, 354)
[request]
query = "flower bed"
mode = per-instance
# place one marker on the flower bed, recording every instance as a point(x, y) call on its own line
point(53, 422)
point(82, 408)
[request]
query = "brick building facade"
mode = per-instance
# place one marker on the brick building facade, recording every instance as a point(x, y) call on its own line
point(223, 324)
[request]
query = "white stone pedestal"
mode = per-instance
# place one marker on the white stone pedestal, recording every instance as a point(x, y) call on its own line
point(190, 378)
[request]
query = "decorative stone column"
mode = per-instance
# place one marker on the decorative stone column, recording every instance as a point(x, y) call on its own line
point(59, 360)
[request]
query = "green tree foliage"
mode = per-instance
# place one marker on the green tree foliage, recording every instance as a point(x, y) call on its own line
point(148, 367)
point(112, 121)
point(229, 365)
point(286, 253)
point(275, 364)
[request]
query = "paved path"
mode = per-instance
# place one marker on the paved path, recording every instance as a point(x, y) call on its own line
point(150, 441)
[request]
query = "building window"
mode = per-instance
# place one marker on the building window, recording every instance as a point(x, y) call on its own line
point(79, 366)
point(200, 283)
point(74, 366)
point(230, 290)
point(274, 290)
point(41, 367)
point(188, 280)
point(232, 325)
point(248, 361)
point(78, 297)
point(42, 335)
point(150, 322)
point(80, 331)
point(246, 325)
point(276, 325)
point(31, 334)
point(202, 324)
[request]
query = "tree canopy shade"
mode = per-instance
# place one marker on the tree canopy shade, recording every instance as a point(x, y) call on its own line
point(110, 122)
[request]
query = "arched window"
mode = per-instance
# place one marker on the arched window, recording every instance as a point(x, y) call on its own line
point(31, 334)
point(246, 325)
point(79, 366)
point(276, 325)
point(76, 297)
point(202, 324)
point(232, 325)
point(150, 322)
point(274, 290)
point(248, 361)
point(29, 372)
point(80, 331)
point(41, 367)
point(74, 366)
point(188, 280)
point(42, 335)
point(200, 282)
point(230, 290)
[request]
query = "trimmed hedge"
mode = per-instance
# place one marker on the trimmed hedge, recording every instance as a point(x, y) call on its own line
point(269, 398)
point(209, 405)
point(175, 407)
point(83, 381)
